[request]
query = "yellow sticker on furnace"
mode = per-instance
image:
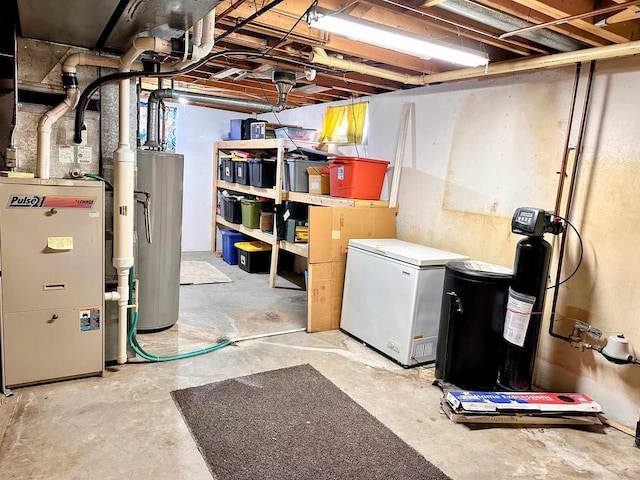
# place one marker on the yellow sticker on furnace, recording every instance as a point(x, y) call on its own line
point(60, 243)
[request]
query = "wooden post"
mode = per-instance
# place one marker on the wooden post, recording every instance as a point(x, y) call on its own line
point(409, 109)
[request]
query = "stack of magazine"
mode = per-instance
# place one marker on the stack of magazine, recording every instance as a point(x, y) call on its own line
point(540, 408)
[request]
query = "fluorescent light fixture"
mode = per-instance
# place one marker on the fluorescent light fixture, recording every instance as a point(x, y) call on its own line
point(226, 73)
point(393, 39)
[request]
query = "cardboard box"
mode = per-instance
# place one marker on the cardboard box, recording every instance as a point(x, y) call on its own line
point(325, 286)
point(266, 221)
point(523, 419)
point(330, 229)
point(318, 180)
point(340, 224)
point(521, 401)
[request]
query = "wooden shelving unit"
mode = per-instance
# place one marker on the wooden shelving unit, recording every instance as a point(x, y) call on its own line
point(332, 221)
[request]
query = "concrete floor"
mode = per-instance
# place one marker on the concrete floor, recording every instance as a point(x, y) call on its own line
point(125, 425)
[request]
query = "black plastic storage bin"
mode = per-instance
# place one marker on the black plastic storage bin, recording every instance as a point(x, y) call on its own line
point(241, 169)
point(262, 173)
point(228, 172)
point(474, 304)
point(297, 210)
point(232, 209)
point(291, 211)
point(254, 257)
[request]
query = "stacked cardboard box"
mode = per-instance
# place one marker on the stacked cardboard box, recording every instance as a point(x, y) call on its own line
point(327, 259)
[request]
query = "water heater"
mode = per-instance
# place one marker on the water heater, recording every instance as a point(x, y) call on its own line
point(159, 238)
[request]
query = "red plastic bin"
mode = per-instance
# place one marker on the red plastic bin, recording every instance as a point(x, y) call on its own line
point(356, 177)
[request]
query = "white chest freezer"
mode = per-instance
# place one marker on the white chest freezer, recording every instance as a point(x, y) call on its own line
point(392, 297)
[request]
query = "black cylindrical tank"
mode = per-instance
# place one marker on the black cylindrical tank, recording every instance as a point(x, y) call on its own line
point(530, 272)
point(472, 316)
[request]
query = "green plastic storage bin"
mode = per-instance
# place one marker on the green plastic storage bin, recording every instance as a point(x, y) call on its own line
point(250, 213)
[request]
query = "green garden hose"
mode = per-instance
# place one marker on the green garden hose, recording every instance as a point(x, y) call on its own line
point(154, 358)
point(98, 177)
point(133, 341)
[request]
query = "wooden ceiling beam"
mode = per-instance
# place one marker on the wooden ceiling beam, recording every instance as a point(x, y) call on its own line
point(356, 84)
point(348, 47)
point(378, 84)
point(559, 9)
point(277, 22)
point(476, 32)
point(510, 7)
point(251, 93)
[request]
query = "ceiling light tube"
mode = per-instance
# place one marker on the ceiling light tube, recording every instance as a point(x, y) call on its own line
point(226, 73)
point(393, 39)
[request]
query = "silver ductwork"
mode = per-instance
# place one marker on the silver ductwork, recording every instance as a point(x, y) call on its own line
point(229, 102)
point(506, 23)
point(284, 82)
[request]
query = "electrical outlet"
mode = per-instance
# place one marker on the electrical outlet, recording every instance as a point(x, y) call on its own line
point(11, 157)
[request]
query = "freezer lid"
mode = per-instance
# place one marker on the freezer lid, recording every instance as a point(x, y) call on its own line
point(411, 253)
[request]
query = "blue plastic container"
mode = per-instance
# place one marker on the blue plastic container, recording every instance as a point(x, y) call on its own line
point(229, 251)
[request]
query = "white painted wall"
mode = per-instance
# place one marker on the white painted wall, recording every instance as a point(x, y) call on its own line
point(197, 129)
point(481, 148)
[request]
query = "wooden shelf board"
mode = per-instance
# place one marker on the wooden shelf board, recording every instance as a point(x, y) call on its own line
point(301, 249)
point(247, 189)
point(329, 201)
point(251, 144)
point(268, 143)
point(252, 232)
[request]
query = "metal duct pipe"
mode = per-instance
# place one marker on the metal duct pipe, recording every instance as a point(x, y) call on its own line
point(284, 82)
point(157, 95)
point(493, 18)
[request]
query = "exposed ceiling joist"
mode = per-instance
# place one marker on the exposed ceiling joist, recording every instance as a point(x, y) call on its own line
point(279, 38)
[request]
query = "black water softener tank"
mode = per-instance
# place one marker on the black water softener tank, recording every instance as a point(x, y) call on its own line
point(470, 342)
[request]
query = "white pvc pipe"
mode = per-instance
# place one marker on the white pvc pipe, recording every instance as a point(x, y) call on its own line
point(266, 335)
point(45, 125)
point(203, 49)
point(196, 39)
point(319, 56)
point(124, 179)
point(123, 196)
point(111, 296)
point(75, 59)
point(140, 45)
point(44, 131)
point(208, 30)
point(87, 59)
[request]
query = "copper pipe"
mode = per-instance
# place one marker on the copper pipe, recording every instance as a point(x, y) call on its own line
point(578, 16)
point(565, 148)
point(567, 210)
